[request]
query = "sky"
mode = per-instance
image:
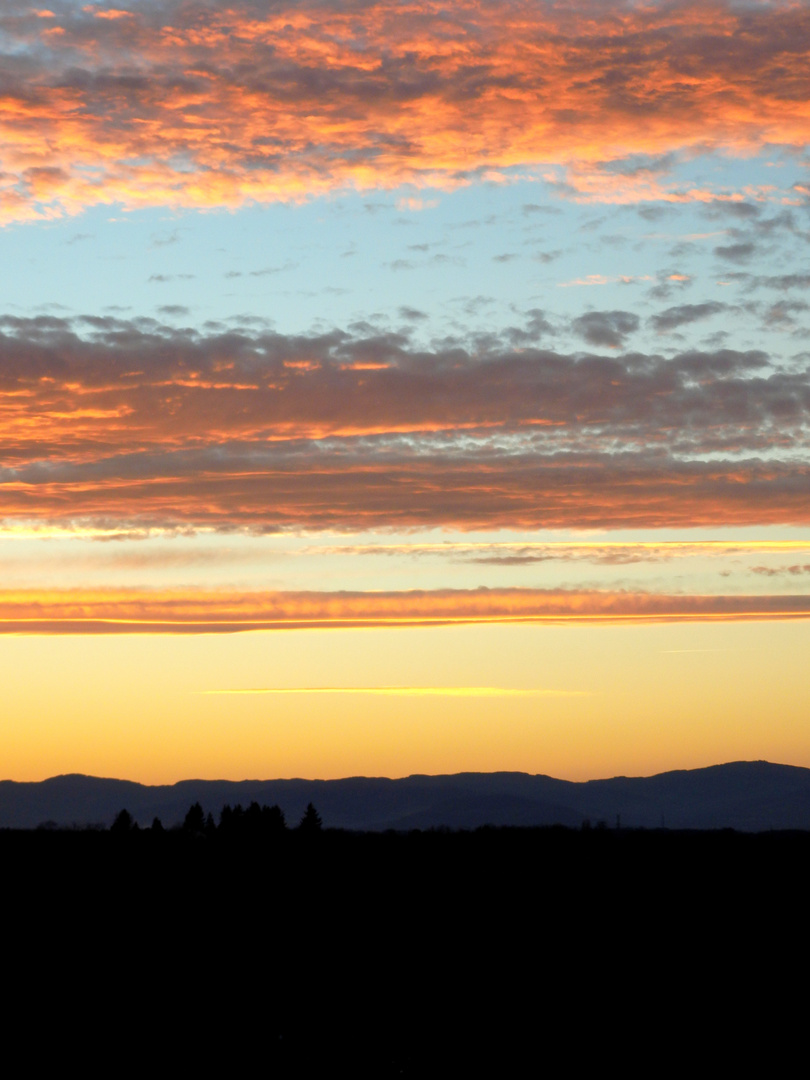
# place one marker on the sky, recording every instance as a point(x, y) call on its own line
point(403, 388)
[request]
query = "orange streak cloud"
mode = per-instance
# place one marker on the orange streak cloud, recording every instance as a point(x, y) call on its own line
point(178, 611)
point(200, 105)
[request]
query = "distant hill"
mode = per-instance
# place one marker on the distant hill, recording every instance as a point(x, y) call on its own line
point(744, 795)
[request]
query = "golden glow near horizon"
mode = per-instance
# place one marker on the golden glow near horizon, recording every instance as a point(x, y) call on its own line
point(356, 423)
point(124, 706)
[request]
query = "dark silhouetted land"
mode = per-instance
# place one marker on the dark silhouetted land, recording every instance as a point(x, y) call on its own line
point(238, 942)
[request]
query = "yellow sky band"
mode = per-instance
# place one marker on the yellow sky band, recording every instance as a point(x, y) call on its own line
point(405, 691)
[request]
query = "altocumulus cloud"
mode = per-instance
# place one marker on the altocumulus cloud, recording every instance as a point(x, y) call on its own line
point(138, 424)
point(177, 102)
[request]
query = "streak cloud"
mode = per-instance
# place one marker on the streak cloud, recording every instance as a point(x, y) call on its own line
point(77, 612)
point(403, 691)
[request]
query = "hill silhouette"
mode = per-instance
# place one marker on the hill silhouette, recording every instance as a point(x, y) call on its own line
point(748, 796)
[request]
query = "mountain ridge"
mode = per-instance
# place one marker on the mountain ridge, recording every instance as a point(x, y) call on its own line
point(745, 795)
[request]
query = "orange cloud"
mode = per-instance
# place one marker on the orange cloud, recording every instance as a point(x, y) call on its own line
point(190, 104)
point(183, 612)
point(310, 492)
point(130, 428)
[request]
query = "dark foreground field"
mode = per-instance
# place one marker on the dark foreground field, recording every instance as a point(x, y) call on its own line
point(418, 954)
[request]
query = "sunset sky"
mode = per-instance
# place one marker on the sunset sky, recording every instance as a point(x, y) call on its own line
point(403, 387)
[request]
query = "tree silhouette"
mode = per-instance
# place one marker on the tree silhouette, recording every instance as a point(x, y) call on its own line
point(195, 819)
point(123, 823)
point(311, 821)
point(273, 820)
point(252, 822)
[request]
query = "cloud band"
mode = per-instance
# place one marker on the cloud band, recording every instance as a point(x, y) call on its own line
point(194, 612)
point(138, 425)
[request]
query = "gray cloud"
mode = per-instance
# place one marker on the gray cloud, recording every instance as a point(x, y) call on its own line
point(744, 211)
point(683, 314)
point(778, 282)
point(606, 328)
point(537, 326)
point(737, 253)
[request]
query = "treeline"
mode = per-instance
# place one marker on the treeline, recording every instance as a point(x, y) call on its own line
point(234, 821)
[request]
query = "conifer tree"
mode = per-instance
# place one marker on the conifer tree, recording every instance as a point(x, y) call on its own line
point(195, 819)
point(311, 821)
point(123, 823)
